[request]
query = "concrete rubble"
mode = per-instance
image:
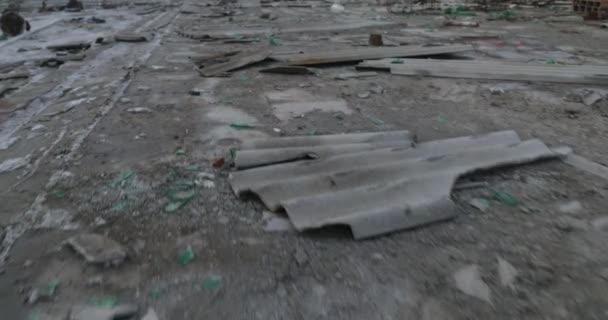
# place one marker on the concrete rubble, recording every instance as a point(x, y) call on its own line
point(303, 159)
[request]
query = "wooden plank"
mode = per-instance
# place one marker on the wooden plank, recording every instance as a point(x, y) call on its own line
point(235, 62)
point(494, 70)
point(359, 54)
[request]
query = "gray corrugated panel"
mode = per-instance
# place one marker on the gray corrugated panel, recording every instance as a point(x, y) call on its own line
point(359, 54)
point(286, 174)
point(275, 150)
point(393, 190)
point(495, 70)
point(330, 139)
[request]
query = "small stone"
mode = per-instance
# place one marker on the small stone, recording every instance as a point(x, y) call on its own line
point(99, 313)
point(497, 90)
point(600, 223)
point(506, 272)
point(301, 257)
point(99, 221)
point(574, 108)
point(468, 280)
point(150, 315)
point(95, 281)
point(375, 39)
point(97, 249)
point(38, 127)
point(363, 95)
point(571, 207)
point(276, 130)
point(377, 89)
point(139, 110)
point(377, 256)
point(265, 15)
point(568, 224)
point(276, 223)
point(28, 263)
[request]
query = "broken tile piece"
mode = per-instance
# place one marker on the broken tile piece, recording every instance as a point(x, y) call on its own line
point(468, 280)
point(97, 249)
point(98, 313)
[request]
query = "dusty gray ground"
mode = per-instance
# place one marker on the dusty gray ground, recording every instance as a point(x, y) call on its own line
point(76, 156)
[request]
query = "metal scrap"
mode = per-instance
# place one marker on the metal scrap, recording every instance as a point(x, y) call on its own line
point(375, 191)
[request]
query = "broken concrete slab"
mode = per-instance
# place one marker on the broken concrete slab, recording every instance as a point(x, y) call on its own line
point(371, 190)
point(493, 70)
point(99, 313)
point(97, 249)
point(360, 54)
point(234, 62)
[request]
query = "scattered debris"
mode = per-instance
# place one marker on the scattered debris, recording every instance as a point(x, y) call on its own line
point(236, 61)
point(360, 54)
point(571, 207)
point(494, 70)
point(581, 163)
point(377, 185)
point(102, 313)
point(130, 37)
point(460, 23)
point(276, 223)
point(139, 110)
point(375, 39)
point(71, 46)
point(468, 280)
point(479, 203)
point(506, 273)
point(186, 256)
point(288, 70)
point(506, 199)
point(150, 315)
point(569, 224)
point(13, 164)
point(241, 125)
point(218, 163)
point(336, 8)
point(12, 23)
point(213, 282)
point(355, 75)
point(364, 94)
point(97, 249)
point(14, 75)
point(600, 223)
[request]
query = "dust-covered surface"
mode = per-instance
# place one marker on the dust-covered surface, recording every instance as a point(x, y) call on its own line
point(122, 144)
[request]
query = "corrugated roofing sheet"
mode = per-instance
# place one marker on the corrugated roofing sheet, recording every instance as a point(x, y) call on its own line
point(378, 191)
point(495, 70)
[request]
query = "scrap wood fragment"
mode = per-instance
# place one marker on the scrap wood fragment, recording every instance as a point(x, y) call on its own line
point(234, 62)
point(360, 54)
point(70, 45)
point(382, 190)
point(493, 70)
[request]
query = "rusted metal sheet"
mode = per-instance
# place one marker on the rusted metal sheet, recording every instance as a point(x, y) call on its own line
point(234, 62)
point(360, 54)
point(384, 190)
point(494, 70)
point(262, 152)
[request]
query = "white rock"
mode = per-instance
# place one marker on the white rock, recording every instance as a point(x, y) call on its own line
point(468, 280)
point(139, 110)
point(150, 315)
point(506, 272)
point(276, 223)
point(337, 8)
point(600, 223)
point(570, 207)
